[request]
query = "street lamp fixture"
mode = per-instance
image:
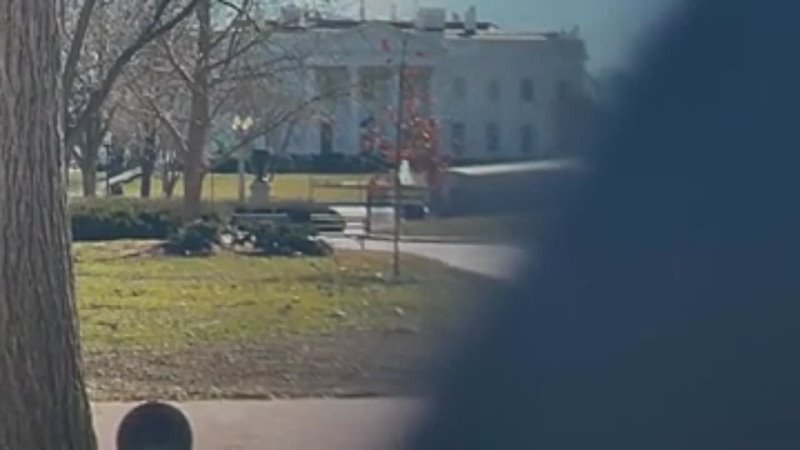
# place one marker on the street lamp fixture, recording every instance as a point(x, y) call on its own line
point(240, 126)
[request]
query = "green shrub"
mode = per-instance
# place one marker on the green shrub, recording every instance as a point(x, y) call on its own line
point(119, 218)
point(289, 240)
point(196, 239)
point(109, 219)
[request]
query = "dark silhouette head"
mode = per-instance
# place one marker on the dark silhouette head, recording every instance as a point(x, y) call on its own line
point(663, 309)
point(154, 426)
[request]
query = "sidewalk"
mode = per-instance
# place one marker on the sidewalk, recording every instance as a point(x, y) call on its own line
point(369, 424)
point(502, 262)
point(434, 239)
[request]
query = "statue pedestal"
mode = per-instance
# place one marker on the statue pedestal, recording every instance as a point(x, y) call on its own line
point(259, 192)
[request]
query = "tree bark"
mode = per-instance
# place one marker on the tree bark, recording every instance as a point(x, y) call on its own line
point(90, 151)
point(170, 181)
point(194, 167)
point(146, 188)
point(89, 177)
point(200, 112)
point(147, 161)
point(44, 402)
point(169, 171)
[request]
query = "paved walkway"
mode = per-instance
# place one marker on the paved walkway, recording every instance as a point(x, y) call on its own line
point(492, 260)
point(373, 424)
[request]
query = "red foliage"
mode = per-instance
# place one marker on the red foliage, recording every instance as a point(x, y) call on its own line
point(421, 145)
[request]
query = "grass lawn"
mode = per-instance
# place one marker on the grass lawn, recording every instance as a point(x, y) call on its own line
point(244, 326)
point(226, 187)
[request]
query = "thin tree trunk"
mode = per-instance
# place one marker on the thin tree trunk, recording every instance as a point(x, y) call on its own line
point(192, 191)
point(90, 151)
point(169, 175)
point(170, 181)
point(146, 187)
point(89, 177)
point(194, 167)
point(148, 167)
point(148, 159)
point(44, 402)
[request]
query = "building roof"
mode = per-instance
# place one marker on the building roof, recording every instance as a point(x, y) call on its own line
point(518, 167)
point(343, 24)
point(485, 31)
point(505, 37)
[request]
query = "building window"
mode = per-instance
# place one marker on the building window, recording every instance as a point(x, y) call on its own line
point(493, 137)
point(333, 81)
point(374, 84)
point(417, 83)
point(459, 88)
point(526, 90)
point(527, 140)
point(494, 91)
point(458, 134)
point(326, 138)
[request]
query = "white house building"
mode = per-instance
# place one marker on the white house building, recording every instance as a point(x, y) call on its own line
point(492, 92)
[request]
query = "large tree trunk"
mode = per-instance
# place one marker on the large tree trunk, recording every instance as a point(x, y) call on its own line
point(44, 402)
point(67, 165)
point(200, 121)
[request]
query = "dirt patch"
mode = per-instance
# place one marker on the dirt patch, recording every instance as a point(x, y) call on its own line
point(354, 364)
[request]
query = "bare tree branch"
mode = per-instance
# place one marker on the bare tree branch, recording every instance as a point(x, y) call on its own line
point(152, 31)
point(75, 48)
point(271, 125)
point(170, 125)
point(176, 65)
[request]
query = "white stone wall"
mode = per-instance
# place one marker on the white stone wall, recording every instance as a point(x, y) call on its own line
point(502, 60)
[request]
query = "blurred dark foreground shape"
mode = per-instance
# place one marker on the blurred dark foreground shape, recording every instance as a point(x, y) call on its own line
point(664, 309)
point(154, 426)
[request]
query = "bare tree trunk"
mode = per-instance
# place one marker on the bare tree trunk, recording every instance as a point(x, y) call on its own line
point(90, 152)
point(193, 166)
point(146, 187)
point(200, 121)
point(169, 171)
point(147, 161)
point(170, 181)
point(44, 402)
point(89, 177)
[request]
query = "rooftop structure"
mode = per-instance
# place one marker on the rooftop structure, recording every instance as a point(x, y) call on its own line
point(492, 92)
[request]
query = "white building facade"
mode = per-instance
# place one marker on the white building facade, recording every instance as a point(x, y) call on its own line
point(491, 93)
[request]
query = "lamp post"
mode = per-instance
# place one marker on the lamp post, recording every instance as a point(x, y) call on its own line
point(240, 127)
point(398, 190)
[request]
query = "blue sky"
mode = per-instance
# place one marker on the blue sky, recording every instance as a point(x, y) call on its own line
point(611, 28)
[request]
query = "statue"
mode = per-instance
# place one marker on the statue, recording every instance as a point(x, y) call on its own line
point(260, 188)
point(261, 161)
